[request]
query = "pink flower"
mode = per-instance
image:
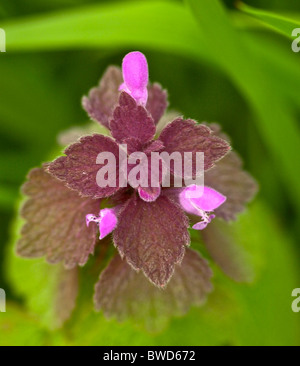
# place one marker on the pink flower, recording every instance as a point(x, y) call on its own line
point(200, 201)
point(135, 75)
point(107, 221)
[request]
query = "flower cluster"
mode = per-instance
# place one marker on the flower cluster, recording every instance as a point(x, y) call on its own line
point(149, 225)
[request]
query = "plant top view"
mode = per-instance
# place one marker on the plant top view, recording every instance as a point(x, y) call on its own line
point(149, 173)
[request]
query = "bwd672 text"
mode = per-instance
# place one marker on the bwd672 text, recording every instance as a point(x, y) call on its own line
point(131, 357)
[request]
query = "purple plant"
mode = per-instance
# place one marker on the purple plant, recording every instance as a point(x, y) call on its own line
point(149, 225)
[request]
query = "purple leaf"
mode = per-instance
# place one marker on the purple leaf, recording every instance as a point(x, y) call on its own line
point(131, 120)
point(101, 100)
point(153, 146)
point(133, 145)
point(188, 136)
point(79, 168)
point(55, 222)
point(121, 196)
point(124, 293)
point(152, 237)
point(157, 101)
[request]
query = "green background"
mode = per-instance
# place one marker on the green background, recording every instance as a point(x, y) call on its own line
point(220, 61)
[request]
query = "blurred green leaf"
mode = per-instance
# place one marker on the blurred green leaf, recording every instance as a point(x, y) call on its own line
point(269, 104)
point(276, 60)
point(7, 197)
point(20, 328)
point(112, 25)
point(277, 22)
point(32, 110)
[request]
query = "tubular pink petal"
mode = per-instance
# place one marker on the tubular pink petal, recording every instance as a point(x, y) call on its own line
point(193, 198)
point(149, 194)
point(201, 225)
point(91, 218)
point(135, 75)
point(107, 221)
point(199, 201)
point(209, 200)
